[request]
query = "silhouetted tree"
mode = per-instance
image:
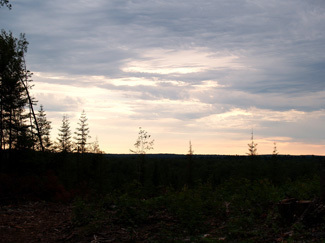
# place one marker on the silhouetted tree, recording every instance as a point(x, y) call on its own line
point(143, 144)
point(64, 136)
point(190, 165)
point(82, 133)
point(94, 147)
point(14, 95)
point(190, 151)
point(44, 129)
point(252, 150)
point(275, 150)
point(25, 82)
point(13, 63)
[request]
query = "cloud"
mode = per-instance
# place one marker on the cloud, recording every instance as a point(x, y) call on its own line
point(181, 62)
point(225, 64)
point(274, 40)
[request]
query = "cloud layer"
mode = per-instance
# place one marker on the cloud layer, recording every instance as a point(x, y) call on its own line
point(185, 68)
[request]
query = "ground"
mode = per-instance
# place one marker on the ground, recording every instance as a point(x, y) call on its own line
point(52, 222)
point(49, 222)
point(35, 222)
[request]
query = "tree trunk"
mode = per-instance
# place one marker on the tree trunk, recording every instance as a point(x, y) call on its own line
point(32, 109)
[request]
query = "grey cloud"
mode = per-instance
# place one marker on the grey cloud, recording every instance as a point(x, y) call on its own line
point(281, 42)
point(309, 130)
point(161, 91)
point(176, 111)
point(61, 104)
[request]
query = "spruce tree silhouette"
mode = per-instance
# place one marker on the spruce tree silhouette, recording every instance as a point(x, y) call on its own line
point(64, 136)
point(82, 133)
point(252, 150)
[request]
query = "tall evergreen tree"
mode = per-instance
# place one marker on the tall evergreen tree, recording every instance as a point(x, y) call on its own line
point(252, 147)
point(14, 97)
point(44, 128)
point(64, 136)
point(82, 133)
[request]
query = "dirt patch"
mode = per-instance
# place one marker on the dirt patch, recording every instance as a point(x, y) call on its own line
point(35, 222)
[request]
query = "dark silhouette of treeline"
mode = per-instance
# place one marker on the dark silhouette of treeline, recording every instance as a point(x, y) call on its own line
point(38, 175)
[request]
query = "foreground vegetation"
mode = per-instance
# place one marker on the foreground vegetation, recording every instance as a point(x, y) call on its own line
point(169, 197)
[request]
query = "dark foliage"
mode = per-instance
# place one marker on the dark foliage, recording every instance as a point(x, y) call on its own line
point(230, 197)
point(102, 174)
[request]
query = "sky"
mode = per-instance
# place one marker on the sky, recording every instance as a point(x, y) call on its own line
point(207, 71)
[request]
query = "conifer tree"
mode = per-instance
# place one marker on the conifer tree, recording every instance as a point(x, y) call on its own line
point(14, 96)
point(82, 133)
point(64, 136)
point(14, 81)
point(44, 129)
point(252, 150)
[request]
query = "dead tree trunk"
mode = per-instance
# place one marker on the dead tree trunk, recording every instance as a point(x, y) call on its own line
point(31, 104)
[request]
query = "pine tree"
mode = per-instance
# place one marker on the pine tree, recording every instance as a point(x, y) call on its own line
point(14, 96)
point(64, 137)
point(82, 133)
point(44, 128)
point(252, 150)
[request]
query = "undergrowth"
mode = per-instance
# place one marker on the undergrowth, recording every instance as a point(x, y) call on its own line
point(236, 209)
